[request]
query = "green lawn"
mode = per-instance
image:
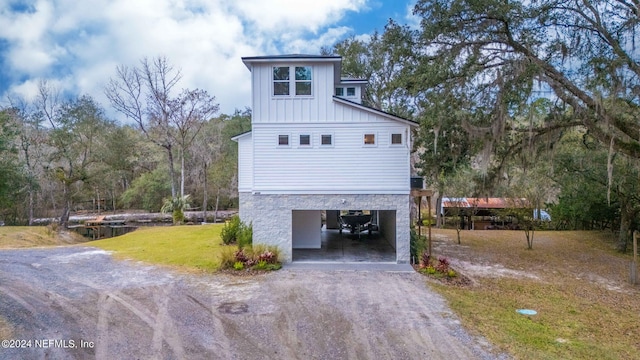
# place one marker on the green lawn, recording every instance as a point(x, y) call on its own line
point(188, 247)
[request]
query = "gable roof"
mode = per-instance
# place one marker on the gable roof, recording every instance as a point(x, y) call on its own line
point(375, 111)
point(241, 135)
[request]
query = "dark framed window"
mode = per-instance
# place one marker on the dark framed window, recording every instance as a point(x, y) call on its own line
point(280, 80)
point(283, 140)
point(326, 139)
point(351, 91)
point(305, 140)
point(396, 139)
point(339, 91)
point(369, 139)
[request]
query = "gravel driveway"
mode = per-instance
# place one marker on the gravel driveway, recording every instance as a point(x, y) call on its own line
point(79, 303)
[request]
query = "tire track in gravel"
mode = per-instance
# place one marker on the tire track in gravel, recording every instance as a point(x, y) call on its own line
point(137, 311)
point(160, 322)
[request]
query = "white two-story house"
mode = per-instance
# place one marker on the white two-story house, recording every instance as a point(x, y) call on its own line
point(314, 147)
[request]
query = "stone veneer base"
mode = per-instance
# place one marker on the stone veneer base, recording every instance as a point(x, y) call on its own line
point(271, 216)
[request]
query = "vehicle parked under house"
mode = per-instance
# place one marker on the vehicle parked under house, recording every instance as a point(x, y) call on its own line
point(315, 149)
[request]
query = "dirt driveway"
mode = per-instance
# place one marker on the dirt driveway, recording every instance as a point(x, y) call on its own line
point(79, 303)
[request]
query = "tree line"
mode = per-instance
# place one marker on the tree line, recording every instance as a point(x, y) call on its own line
point(61, 155)
point(536, 99)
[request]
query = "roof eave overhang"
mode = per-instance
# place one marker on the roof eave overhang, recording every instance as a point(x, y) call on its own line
point(375, 111)
point(239, 136)
point(249, 61)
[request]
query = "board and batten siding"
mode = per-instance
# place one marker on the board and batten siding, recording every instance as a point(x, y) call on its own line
point(268, 108)
point(245, 162)
point(347, 166)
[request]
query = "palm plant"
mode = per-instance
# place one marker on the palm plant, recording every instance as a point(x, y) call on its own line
point(176, 205)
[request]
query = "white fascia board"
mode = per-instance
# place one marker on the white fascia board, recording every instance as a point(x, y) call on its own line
point(240, 136)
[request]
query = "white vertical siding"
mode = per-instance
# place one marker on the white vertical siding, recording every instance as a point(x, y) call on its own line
point(245, 163)
point(276, 109)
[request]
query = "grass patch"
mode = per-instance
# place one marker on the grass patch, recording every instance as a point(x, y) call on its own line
point(191, 248)
point(16, 237)
point(576, 282)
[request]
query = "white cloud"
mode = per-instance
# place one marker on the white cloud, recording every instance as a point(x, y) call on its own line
point(411, 19)
point(78, 44)
point(283, 15)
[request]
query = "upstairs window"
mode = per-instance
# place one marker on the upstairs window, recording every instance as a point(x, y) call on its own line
point(339, 91)
point(281, 80)
point(287, 77)
point(305, 140)
point(351, 91)
point(396, 139)
point(303, 80)
point(369, 139)
point(326, 139)
point(283, 140)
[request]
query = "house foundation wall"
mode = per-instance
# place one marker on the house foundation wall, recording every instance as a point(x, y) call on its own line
point(271, 216)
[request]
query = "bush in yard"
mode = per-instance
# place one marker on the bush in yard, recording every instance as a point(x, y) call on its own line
point(245, 235)
point(443, 265)
point(417, 244)
point(425, 259)
point(229, 233)
point(261, 265)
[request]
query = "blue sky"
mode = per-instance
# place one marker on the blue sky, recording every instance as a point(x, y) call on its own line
point(76, 45)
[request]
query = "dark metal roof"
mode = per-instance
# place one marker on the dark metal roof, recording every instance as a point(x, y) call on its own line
point(248, 60)
point(291, 56)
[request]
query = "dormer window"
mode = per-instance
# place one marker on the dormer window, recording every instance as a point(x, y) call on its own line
point(339, 91)
point(287, 77)
point(351, 91)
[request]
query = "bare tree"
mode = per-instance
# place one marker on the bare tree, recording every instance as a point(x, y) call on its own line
point(190, 110)
point(32, 146)
point(143, 94)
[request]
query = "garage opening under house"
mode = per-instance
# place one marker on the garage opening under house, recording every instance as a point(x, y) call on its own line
point(314, 153)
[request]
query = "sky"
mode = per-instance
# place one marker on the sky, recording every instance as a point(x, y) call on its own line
point(76, 45)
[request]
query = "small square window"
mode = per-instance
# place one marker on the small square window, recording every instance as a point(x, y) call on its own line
point(339, 91)
point(396, 139)
point(283, 140)
point(351, 91)
point(369, 139)
point(305, 140)
point(326, 140)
